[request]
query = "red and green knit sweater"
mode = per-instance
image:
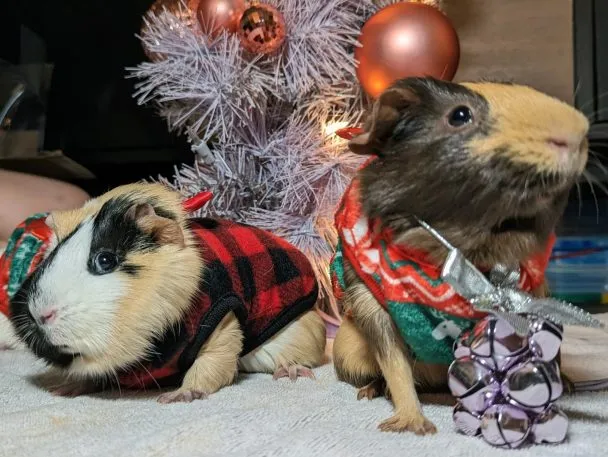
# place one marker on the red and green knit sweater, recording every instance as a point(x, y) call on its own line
point(427, 311)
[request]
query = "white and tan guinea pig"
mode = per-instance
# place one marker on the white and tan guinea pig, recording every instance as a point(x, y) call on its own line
point(133, 293)
point(490, 166)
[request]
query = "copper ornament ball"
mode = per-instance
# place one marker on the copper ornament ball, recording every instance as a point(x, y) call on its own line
point(215, 16)
point(403, 40)
point(262, 29)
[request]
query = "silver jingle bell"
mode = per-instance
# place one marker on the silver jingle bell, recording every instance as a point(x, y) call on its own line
point(533, 384)
point(505, 425)
point(472, 383)
point(550, 426)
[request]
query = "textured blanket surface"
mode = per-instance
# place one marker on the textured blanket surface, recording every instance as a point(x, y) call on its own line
point(256, 417)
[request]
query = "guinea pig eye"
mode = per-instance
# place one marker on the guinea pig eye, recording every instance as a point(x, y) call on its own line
point(105, 262)
point(460, 116)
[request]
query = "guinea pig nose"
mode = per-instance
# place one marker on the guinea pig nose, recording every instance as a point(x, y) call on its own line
point(48, 316)
point(559, 143)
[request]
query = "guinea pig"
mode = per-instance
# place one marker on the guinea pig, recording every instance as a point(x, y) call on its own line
point(132, 293)
point(490, 166)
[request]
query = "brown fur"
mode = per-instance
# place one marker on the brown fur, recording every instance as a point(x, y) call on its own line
point(466, 181)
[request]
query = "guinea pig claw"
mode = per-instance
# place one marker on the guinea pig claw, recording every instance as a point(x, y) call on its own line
point(182, 395)
point(408, 422)
point(374, 389)
point(293, 372)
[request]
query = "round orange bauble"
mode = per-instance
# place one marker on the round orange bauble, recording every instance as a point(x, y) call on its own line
point(214, 16)
point(406, 39)
point(262, 29)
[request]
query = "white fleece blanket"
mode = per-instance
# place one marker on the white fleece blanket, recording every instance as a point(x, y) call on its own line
point(256, 417)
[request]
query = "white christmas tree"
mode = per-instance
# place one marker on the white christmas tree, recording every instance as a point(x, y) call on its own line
point(263, 125)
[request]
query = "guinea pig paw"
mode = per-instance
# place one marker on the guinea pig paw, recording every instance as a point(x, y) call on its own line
point(374, 389)
point(182, 395)
point(293, 372)
point(417, 424)
point(72, 389)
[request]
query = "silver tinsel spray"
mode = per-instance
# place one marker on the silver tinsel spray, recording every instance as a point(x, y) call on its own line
point(262, 127)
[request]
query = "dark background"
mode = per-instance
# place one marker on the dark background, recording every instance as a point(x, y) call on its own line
point(93, 118)
point(91, 114)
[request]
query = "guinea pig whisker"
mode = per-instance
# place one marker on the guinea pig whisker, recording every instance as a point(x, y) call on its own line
point(597, 207)
point(593, 100)
point(595, 181)
point(580, 199)
point(597, 161)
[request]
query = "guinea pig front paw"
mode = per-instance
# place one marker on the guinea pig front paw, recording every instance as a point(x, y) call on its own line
point(182, 395)
point(406, 422)
point(374, 389)
point(293, 372)
point(72, 389)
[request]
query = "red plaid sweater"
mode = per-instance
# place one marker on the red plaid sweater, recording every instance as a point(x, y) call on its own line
point(265, 280)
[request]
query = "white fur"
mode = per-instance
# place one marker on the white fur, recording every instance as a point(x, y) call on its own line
point(266, 358)
point(8, 337)
point(85, 303)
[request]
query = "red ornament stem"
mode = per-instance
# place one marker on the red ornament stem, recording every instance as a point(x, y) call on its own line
point(197, 201)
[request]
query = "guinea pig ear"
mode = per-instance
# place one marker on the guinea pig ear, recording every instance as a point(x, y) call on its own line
point(386, 112)
point(162, 229)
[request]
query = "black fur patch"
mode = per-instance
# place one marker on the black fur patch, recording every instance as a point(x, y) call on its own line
point(206, 222)
point(114, 232)
point(131, 269)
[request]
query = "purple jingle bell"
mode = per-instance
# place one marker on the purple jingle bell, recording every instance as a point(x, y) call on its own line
point(545, 339)
point(496, 341)
point(505, 425)
point(467, 422)
point(472, 383)
point(550, 426)
point(533, 384)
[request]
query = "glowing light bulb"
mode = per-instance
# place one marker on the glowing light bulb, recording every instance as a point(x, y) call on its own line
point(332, 127)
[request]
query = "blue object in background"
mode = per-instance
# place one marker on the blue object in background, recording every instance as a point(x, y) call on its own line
point(578, 270)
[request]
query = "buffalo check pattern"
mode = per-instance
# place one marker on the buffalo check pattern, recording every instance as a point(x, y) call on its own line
point(262, 278)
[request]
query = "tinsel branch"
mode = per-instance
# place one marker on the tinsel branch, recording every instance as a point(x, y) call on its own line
point(264, 128)
point(321, 37)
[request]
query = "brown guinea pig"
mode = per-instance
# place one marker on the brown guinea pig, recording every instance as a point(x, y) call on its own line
point(490, 166)
point(132, 293)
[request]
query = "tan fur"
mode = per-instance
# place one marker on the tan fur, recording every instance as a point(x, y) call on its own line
point(300, 343)
point(216, 365)
point(529, 118)
point(390, 360)
point(353, 357)
point(375, 335)
point(161, 294)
